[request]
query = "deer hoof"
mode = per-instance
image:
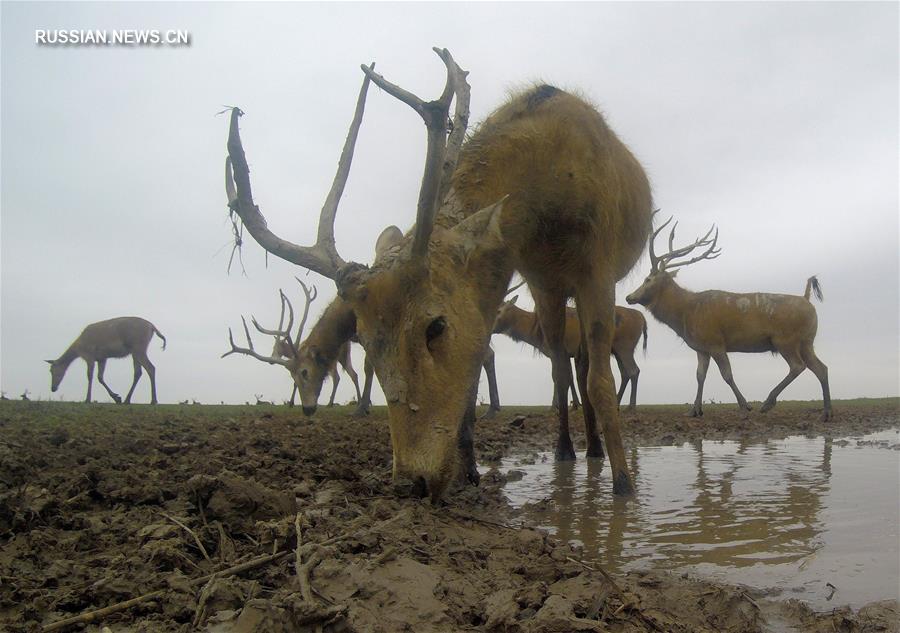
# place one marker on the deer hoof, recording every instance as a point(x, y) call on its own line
point(595, 452)
point(826, 417)
point(117, 399)
point(766, 406)
point(490, 414)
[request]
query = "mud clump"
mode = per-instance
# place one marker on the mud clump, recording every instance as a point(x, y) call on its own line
point(242, 520)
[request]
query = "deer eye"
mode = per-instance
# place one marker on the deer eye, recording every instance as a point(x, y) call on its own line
point(435, 329)
point(320, 360)
point(305, 374)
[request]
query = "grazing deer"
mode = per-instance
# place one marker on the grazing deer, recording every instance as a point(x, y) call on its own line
point(543, 187)
point(115, 338)
point(319, 358)
point(715, 322)
point(522, 325)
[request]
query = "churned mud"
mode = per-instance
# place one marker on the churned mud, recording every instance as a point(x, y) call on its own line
point(256, 519)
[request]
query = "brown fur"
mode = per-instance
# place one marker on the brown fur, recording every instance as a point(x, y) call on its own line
point(715, 322)
point(575, 221)
point(114, 338)
point(522, 325)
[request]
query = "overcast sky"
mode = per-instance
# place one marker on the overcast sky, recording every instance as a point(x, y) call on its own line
point(778, 122)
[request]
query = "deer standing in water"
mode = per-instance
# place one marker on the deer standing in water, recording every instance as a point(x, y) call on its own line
point(522, 325)
point(543, 187)
point(114, 338)
point(715, 322)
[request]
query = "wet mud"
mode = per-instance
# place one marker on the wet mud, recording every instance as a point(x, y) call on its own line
point(256, 519)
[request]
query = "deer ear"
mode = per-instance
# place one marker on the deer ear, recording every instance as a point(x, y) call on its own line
point(482, 230)
point(49, 361)
point(673, 274)
point(512, 301)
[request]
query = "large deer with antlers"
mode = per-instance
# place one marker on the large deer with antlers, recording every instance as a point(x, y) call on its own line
point(114, 338)
point(715, 322)
point(544, 187)
point(522, 325)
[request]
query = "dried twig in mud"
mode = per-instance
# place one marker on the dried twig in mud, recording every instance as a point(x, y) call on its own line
point(470, 517)
point(92, 616)
point(191, 532)
point(602, 572)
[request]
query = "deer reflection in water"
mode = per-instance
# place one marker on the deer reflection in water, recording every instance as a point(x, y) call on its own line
point(728, 504)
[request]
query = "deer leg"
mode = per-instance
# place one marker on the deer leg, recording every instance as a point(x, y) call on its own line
point(795, 368)
point(721, 359)
point(293, 395)
point(137, 377)
point(630, 373)
point(335, 379)
point(595, 448)
point(466, 441)
point(623, 380)
point(354, 377)
point(490, 370)
point(575, 403)
point(595, 303)
point(551, 311)
point(702, 366)
point(821, 371)
point(151, 373)
point(101, 367)
point(90, 378)
point(362, 407)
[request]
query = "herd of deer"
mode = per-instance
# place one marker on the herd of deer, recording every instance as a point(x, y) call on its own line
point(542, 187)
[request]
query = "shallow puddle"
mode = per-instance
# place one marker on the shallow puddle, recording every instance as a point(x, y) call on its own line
point(812, 518)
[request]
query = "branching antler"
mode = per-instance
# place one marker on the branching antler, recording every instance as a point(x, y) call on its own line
point(249, 351)
point(440, 158)
point(310, 297)
point(322, 257)
point(667, 261)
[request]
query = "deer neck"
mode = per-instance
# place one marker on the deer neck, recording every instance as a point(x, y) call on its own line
point(671, 304)
point(524, 328)
point(336, 327)
point(69, 355)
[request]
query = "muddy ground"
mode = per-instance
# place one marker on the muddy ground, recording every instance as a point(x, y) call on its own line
point(192, 513)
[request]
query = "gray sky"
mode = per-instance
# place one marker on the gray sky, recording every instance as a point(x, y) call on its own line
point(777, 121)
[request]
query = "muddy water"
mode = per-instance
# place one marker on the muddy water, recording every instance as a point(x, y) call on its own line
point(813, 518)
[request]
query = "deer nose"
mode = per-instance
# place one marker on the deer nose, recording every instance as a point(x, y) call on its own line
point(631, 299)
point(309, 410)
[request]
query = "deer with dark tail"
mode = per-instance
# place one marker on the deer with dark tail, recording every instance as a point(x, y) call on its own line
point(715, 322)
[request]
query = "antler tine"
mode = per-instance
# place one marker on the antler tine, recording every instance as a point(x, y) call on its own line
point(249, 351)
point(710, 253)
point(322, 257)
point(514, 288)
point(460, 121)
point(310, 297)
point(435, 114)
point(285, 333)
point(654, 260)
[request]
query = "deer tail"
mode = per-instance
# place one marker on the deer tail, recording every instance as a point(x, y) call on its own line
point(812, 284)
point(644, 326)
point(160, 335)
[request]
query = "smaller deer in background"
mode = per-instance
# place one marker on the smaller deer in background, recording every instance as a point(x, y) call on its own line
point(522, 325)
point(114, 338)
point(301, 361)
point(715, 322)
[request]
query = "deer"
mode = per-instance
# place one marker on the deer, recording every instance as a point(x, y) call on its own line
point(524, 326)
point(715, 322)
point(543, 187)
point(113, 338)
point(300, 359)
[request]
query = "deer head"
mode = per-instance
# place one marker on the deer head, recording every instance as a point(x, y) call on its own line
point(662, 267)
